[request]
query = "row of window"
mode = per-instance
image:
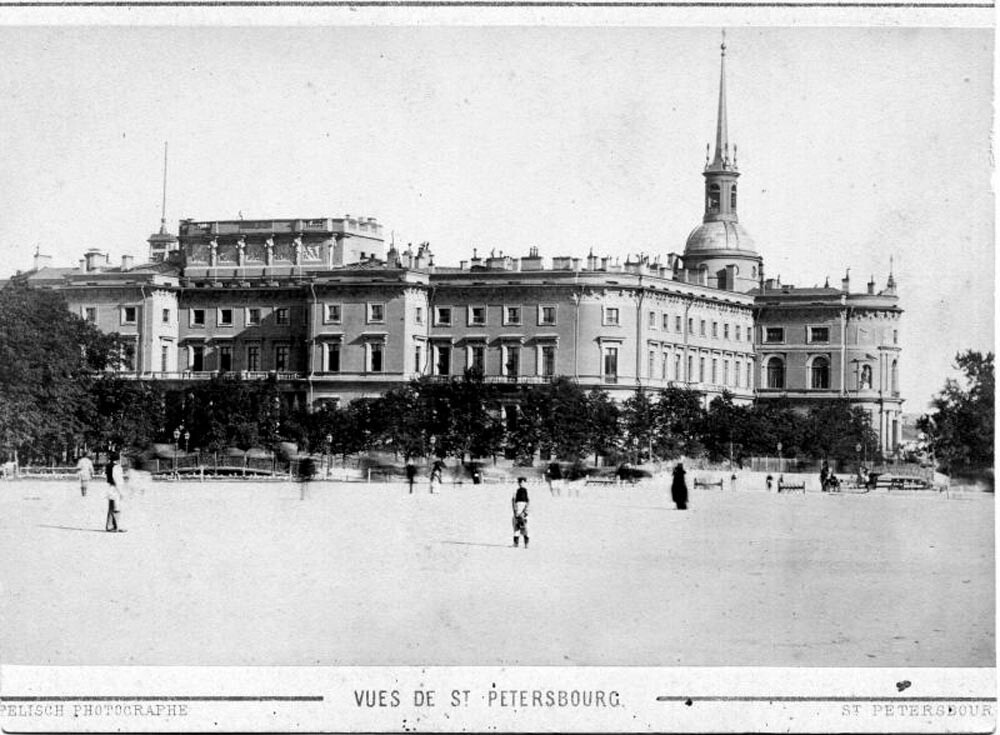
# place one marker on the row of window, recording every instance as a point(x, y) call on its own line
point(814, 335)
point(818, 371)
point(662, 321)
point(476, 315)
point(730, 372)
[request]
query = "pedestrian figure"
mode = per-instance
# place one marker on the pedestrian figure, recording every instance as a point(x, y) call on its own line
point(436, 469)
point(553, 474)
point(116, 481)
point(770, 483)
point(519, 504)
point(85, 471)
point(307, 471)
point(411, 475)
point(678, 488)
point(824, 476)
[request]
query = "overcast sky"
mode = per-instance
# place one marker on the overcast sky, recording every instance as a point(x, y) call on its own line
point(854, 144)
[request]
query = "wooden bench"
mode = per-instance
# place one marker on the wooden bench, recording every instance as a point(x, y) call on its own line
point(902, 483)
point(791, 486)
point(601, 481)
point(700, 482)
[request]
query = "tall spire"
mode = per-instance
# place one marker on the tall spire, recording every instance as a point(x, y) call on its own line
point(722, 130)
point(163, 209)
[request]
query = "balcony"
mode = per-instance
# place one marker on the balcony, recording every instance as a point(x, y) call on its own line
point(209, 374)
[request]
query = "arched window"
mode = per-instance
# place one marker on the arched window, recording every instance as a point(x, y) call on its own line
point(714, 196)
point(894, 376)
point(820, 373)
point(865, 379)
point(775, 373)
point(732, 198)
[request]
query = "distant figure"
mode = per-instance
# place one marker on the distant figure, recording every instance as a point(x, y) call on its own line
point(519, 504)
point(678, 488)
point(622, 473)
point(436, 473)
point(307, 471)
point(85, 471)
point(411, 475)
point(116, 481)
point(554, 476)
point(8, 470)
point(770, 483)
point(824, 476)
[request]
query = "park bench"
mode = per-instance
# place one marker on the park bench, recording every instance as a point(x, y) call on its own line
point(602, 480)
point(704, 482)
point(787, 487)
point(902, 483)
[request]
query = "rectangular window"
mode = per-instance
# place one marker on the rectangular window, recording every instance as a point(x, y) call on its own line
point(512, 364)
point(548, 360)
point(477, 316)
point(677, 324)
point(774, 334)
point(333, 313)
point(128, 315)
point(197, 317)
point(376, 313)
point(419, 317)
point(819, 334)
point(442, 316)
point(725, 372)
point(281, 316)
point(197, 358)
point(281, 357)
point(663, 368)
point(477, 358)
point(164, 358)
point(738, 335)
point(725, 330)
point(715, 371)
point(375, 357)
point(253, 358)
point(611, 320)
point(512, 315)
point(652, 363)
point(690, 325)
point(701, 369)
point(666, 322)
point(652, 320)
point(225, 358)
point(442, 362)
point(166, 316)
point(677, 367)
point(690, 368)
point(749, 375)
point(715, 330)
point(225, 317)
point(702, 332)
point(253, 317)
point(333, 357)
point(418, 359)
point(749, 335)
point(611, 364)
point(90, 314)
point(547, 315)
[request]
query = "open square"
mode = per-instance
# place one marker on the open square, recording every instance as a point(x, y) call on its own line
point(254, 573)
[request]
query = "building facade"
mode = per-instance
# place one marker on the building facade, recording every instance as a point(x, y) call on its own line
point(325, 308)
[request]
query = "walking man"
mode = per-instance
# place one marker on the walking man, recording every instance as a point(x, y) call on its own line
point(436, 469)
point(678, 489)
point(553, 473)
point(85, 471)
point(519, 504)
point(116, 481)
point(411, 475)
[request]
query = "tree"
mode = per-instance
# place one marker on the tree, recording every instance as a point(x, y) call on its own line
point(639, 421)
point(679, 419)
point(603, 422)
point(960, 428)
point(49, 359)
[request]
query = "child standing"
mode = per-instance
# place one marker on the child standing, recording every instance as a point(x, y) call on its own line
point(519, 504)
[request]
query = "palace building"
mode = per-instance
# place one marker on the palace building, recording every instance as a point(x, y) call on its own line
point(323, 306)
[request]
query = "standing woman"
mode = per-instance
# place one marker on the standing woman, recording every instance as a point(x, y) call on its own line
point(678, 489)
point(116, 480)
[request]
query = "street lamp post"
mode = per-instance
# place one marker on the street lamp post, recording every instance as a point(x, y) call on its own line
point(329, 459)
point(779, 457)
point(177, 436)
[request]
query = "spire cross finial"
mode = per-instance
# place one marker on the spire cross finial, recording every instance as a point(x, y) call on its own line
point(723, 46)
point(163, 209)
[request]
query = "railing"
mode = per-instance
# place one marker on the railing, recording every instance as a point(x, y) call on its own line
point(209, 374)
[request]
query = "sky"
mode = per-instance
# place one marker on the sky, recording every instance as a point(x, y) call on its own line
point(856, 146)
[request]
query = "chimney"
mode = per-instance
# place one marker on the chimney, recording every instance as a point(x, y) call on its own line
point(845, 283)
point(127, 262)
point(871, 286)
point(95, 260)
point(42, 261)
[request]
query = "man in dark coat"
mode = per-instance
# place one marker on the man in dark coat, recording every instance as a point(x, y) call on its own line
point(678, 489)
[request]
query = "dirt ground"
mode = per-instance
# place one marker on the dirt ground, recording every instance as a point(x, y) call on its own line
point(233, 573)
